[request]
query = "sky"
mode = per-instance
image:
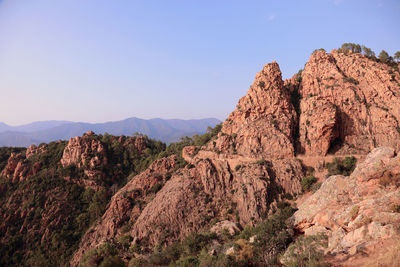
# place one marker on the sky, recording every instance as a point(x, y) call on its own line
point(97, 61)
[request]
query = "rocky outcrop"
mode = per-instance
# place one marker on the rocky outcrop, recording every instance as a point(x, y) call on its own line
point(349, 104)
point(13, 167)
point(263, 123)
point(18, 169)
point(212, 189)
point(231, 227)
point(358, 210)
point(34, 150)
point(84, 151)
point(320, 126)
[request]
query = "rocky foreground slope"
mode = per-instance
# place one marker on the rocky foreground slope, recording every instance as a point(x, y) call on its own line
point(245, 178)
point(340, 104)
point(358, 213)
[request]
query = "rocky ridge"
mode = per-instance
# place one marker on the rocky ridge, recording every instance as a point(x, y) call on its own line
point(349, 104)
point(332, 106)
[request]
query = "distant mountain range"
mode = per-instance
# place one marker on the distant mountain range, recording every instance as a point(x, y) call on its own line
point(166, 130)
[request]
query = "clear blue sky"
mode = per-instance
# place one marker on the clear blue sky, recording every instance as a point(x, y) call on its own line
point(95, 61)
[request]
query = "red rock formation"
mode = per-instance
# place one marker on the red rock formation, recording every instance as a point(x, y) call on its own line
point(342, 107)
point(13, 166)
point(263, 123)
point(17, 168)
point(355, 210)
point(84, 150)
point(349, 99)
point(34, 150)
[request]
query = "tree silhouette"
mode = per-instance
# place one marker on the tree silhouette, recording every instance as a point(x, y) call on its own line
point(384, 56)
point(397, 56)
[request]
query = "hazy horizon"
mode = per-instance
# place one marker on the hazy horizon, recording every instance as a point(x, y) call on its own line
point(98, 61)
point(99, 122)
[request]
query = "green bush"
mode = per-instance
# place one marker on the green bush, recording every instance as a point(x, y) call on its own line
point(112, 261)
point(307, 251)
point(104, 255)
point(315, 187)
point(188, 261)
point(342, 166)
point(137, 262)
point(307, 183)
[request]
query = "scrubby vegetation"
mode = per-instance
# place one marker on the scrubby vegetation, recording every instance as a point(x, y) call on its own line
point(105, 255)
point(383, 56)
point(53, 198)
point(308, 182)
point(342, 166)
point(260, 245)
point(307, 251)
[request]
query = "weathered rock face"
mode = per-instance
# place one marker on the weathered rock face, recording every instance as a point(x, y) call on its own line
point(18, 169)
point(264, 120)
point(84, 150)
point(34, 150)
point(212, 189)
point(229, 226)
point(13, 166)
point(321, 126)
point(355, 210)
point(350, 104)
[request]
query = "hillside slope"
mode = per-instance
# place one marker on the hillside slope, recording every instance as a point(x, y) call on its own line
point(51, 194)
